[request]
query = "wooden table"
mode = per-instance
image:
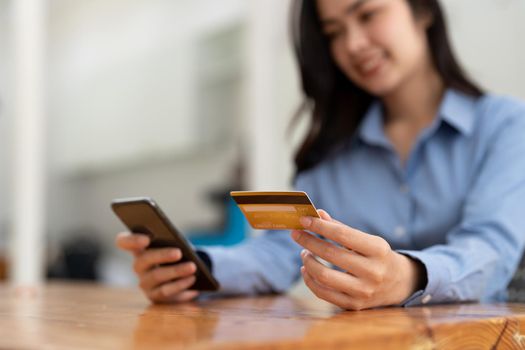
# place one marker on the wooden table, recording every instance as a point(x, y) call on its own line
point(84, 316)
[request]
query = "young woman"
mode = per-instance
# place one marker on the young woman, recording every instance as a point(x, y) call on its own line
point(422, 173)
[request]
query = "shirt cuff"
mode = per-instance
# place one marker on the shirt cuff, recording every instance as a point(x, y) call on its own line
point(438, 277)
point(205, 259)
point(224, 264)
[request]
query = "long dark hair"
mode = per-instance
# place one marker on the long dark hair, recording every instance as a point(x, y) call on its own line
point(337, 105)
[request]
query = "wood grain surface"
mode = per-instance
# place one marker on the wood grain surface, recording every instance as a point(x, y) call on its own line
point(85, 316)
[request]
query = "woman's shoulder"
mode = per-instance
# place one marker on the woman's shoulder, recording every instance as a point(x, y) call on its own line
point(493, 114)
point(494, 109)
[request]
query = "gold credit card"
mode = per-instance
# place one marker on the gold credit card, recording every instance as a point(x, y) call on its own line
point(274, 210)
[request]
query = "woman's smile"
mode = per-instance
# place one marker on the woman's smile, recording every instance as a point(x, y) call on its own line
point(370, 66)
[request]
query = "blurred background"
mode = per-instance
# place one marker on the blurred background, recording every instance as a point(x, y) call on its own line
point(179, 100)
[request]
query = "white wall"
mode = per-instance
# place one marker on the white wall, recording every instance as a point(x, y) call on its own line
point(4, 126)
point(489, 36)
point(123, 78)
point(123, 105)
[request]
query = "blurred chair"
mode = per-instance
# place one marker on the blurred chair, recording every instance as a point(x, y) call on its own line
point(79, 257)
point(234, 227)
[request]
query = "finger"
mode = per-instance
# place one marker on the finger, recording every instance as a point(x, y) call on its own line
point(334, 279)
point(348, 237)
point(150, 258)
point(134, 243)
point(181, 297)
point(187, 295)
point(168, 291)
point(356, 264)
point(160, 275)
point(324, 215)
point(337, 298)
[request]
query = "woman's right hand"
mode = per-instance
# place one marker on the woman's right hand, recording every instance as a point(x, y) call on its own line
point(161, 284)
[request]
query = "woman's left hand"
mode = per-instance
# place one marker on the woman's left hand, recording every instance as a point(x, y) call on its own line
point(374, 275)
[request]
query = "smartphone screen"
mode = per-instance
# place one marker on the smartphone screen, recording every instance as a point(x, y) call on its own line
point(143, 216)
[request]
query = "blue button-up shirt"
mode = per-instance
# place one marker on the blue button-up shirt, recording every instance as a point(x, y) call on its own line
point(457, 205)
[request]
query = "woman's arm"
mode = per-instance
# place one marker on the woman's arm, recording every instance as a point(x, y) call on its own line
point(476, 263)
point(482, 252)
point(265, 264)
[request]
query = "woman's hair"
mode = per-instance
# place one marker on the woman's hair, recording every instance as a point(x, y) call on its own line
point(336, 103)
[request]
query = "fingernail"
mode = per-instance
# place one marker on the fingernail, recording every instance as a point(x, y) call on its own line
point(303, 253)
point(295, 235)
point(302, 270)
point(175, 253)
point(306, 221)
point(193, 267)
point(325, 214)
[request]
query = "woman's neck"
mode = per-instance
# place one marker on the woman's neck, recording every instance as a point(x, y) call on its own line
point(412, 108)
point(415, 103)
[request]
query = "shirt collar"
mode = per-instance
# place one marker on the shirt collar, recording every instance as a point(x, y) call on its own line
point(456, 109)
point(459, 111)
point(371, 129)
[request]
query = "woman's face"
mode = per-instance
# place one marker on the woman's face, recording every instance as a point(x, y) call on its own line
point(378, 44)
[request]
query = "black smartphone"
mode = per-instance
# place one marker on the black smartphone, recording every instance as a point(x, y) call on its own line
point(143, 216)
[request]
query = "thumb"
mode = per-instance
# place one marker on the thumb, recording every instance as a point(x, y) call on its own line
point(324, 215)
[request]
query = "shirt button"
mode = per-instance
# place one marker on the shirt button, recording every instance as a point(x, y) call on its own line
point(426, 299)
point(404, 188)
point(400, 231)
